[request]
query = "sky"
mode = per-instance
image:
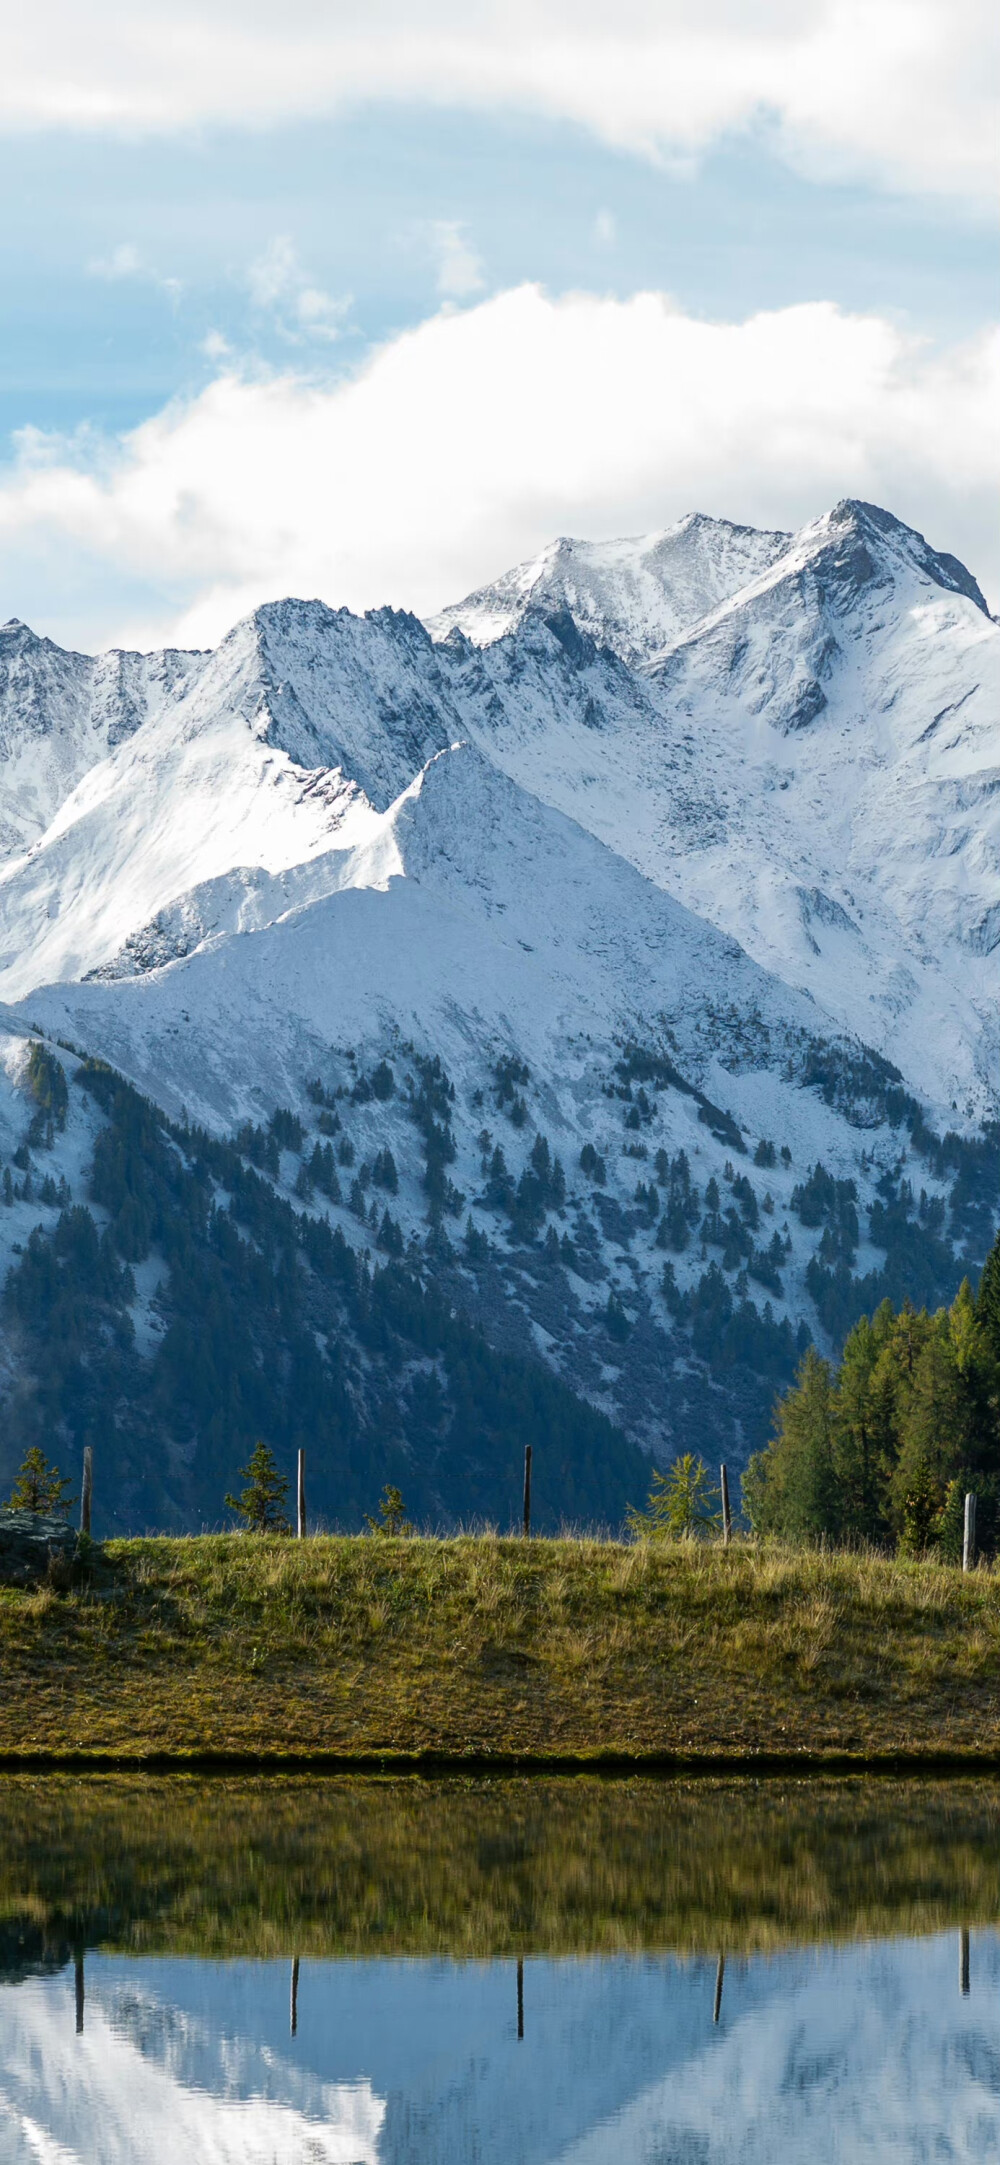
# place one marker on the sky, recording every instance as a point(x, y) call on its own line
point(371, 304)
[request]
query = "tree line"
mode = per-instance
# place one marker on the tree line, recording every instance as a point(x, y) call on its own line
point(883, 1446)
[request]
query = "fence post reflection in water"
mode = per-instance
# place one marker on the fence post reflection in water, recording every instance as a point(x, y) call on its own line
point(294, 2013)
point(963, 1962)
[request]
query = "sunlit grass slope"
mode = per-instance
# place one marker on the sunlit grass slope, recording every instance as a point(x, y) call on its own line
point(485, 1648)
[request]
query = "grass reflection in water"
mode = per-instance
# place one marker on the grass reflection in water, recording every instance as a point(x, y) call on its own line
point(473, 1868)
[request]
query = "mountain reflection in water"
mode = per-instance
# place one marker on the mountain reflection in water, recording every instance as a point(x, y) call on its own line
point(148, 1932)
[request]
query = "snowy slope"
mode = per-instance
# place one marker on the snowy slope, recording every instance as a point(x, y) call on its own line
point(60, 712)
point(476, 924)
point(241, 774)
point(635, 596)
point(469, 914)
point(809, 762)
point(814, 767)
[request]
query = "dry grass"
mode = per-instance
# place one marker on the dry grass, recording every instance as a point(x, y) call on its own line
point(482, 1648)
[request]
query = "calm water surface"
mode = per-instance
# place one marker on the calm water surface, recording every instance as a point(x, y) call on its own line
point(501, 1974)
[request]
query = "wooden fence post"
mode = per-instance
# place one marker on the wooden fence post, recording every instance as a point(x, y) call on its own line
point(294, 2011)
point(87, 1491)
point(719, 1975)
point(963, 1962)
point(520, 1981)
point(78, 1982)
point(527, 1489)
point(301, 1497)
point(969, 1538)
point(727, 1521)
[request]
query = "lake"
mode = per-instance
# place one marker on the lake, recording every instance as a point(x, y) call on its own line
point(400, 1971)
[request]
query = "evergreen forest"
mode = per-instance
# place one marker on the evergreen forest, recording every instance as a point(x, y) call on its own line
point(882, 1447)
point(275, 1327)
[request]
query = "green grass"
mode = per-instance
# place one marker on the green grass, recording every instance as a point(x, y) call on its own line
point(482, 1648)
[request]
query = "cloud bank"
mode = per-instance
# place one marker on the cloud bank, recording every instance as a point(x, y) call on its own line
point(467, 443)
point(902, 90)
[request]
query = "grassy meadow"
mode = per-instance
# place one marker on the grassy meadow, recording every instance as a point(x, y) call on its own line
point(482, 1649)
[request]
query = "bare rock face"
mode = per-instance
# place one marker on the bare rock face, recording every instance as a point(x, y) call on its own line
point(36, 1549)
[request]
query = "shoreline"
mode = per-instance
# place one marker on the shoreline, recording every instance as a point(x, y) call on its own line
point(481, 1767)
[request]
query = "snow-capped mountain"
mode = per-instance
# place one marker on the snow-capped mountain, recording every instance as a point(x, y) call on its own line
point(661, 850)
point(60, 713)
point(469, 913)
point(635, 596)
point(812, 765)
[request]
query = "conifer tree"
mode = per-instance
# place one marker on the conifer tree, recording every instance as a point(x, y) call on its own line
point(260, 1503)
point(988, 1300)
point(680, 1503)
point(392, 1517)
point(39, 1486)
point(791, 1487)
point(864, 1437)
point(931, 1438)
point(949, 1526)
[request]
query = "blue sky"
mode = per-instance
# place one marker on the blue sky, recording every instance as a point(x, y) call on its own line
point(361, 199)
point(268, 265)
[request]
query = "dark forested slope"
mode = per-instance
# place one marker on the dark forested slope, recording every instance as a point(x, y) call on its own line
point(272, 1325)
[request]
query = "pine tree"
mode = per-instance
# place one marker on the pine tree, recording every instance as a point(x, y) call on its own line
point(791, 1488)
point(681, 1503)
point(949, 1527)
point(392, 1517)
point(260, 1503)
point(979, 1371)
point(616, 1318)
point(863, 1438)
point(988, 1300)
point(39, 1486)
point(940, 1430)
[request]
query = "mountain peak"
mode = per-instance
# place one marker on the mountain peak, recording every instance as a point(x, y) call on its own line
point(635, 595)
point(333, 690)
point(23, 639)
point(871, 524)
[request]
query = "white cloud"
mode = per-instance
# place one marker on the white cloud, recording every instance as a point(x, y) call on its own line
point(460, 270)
point(125, 261)
point(274, 274)
point(281, 288)
point(467, 443)
point(903, 90)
